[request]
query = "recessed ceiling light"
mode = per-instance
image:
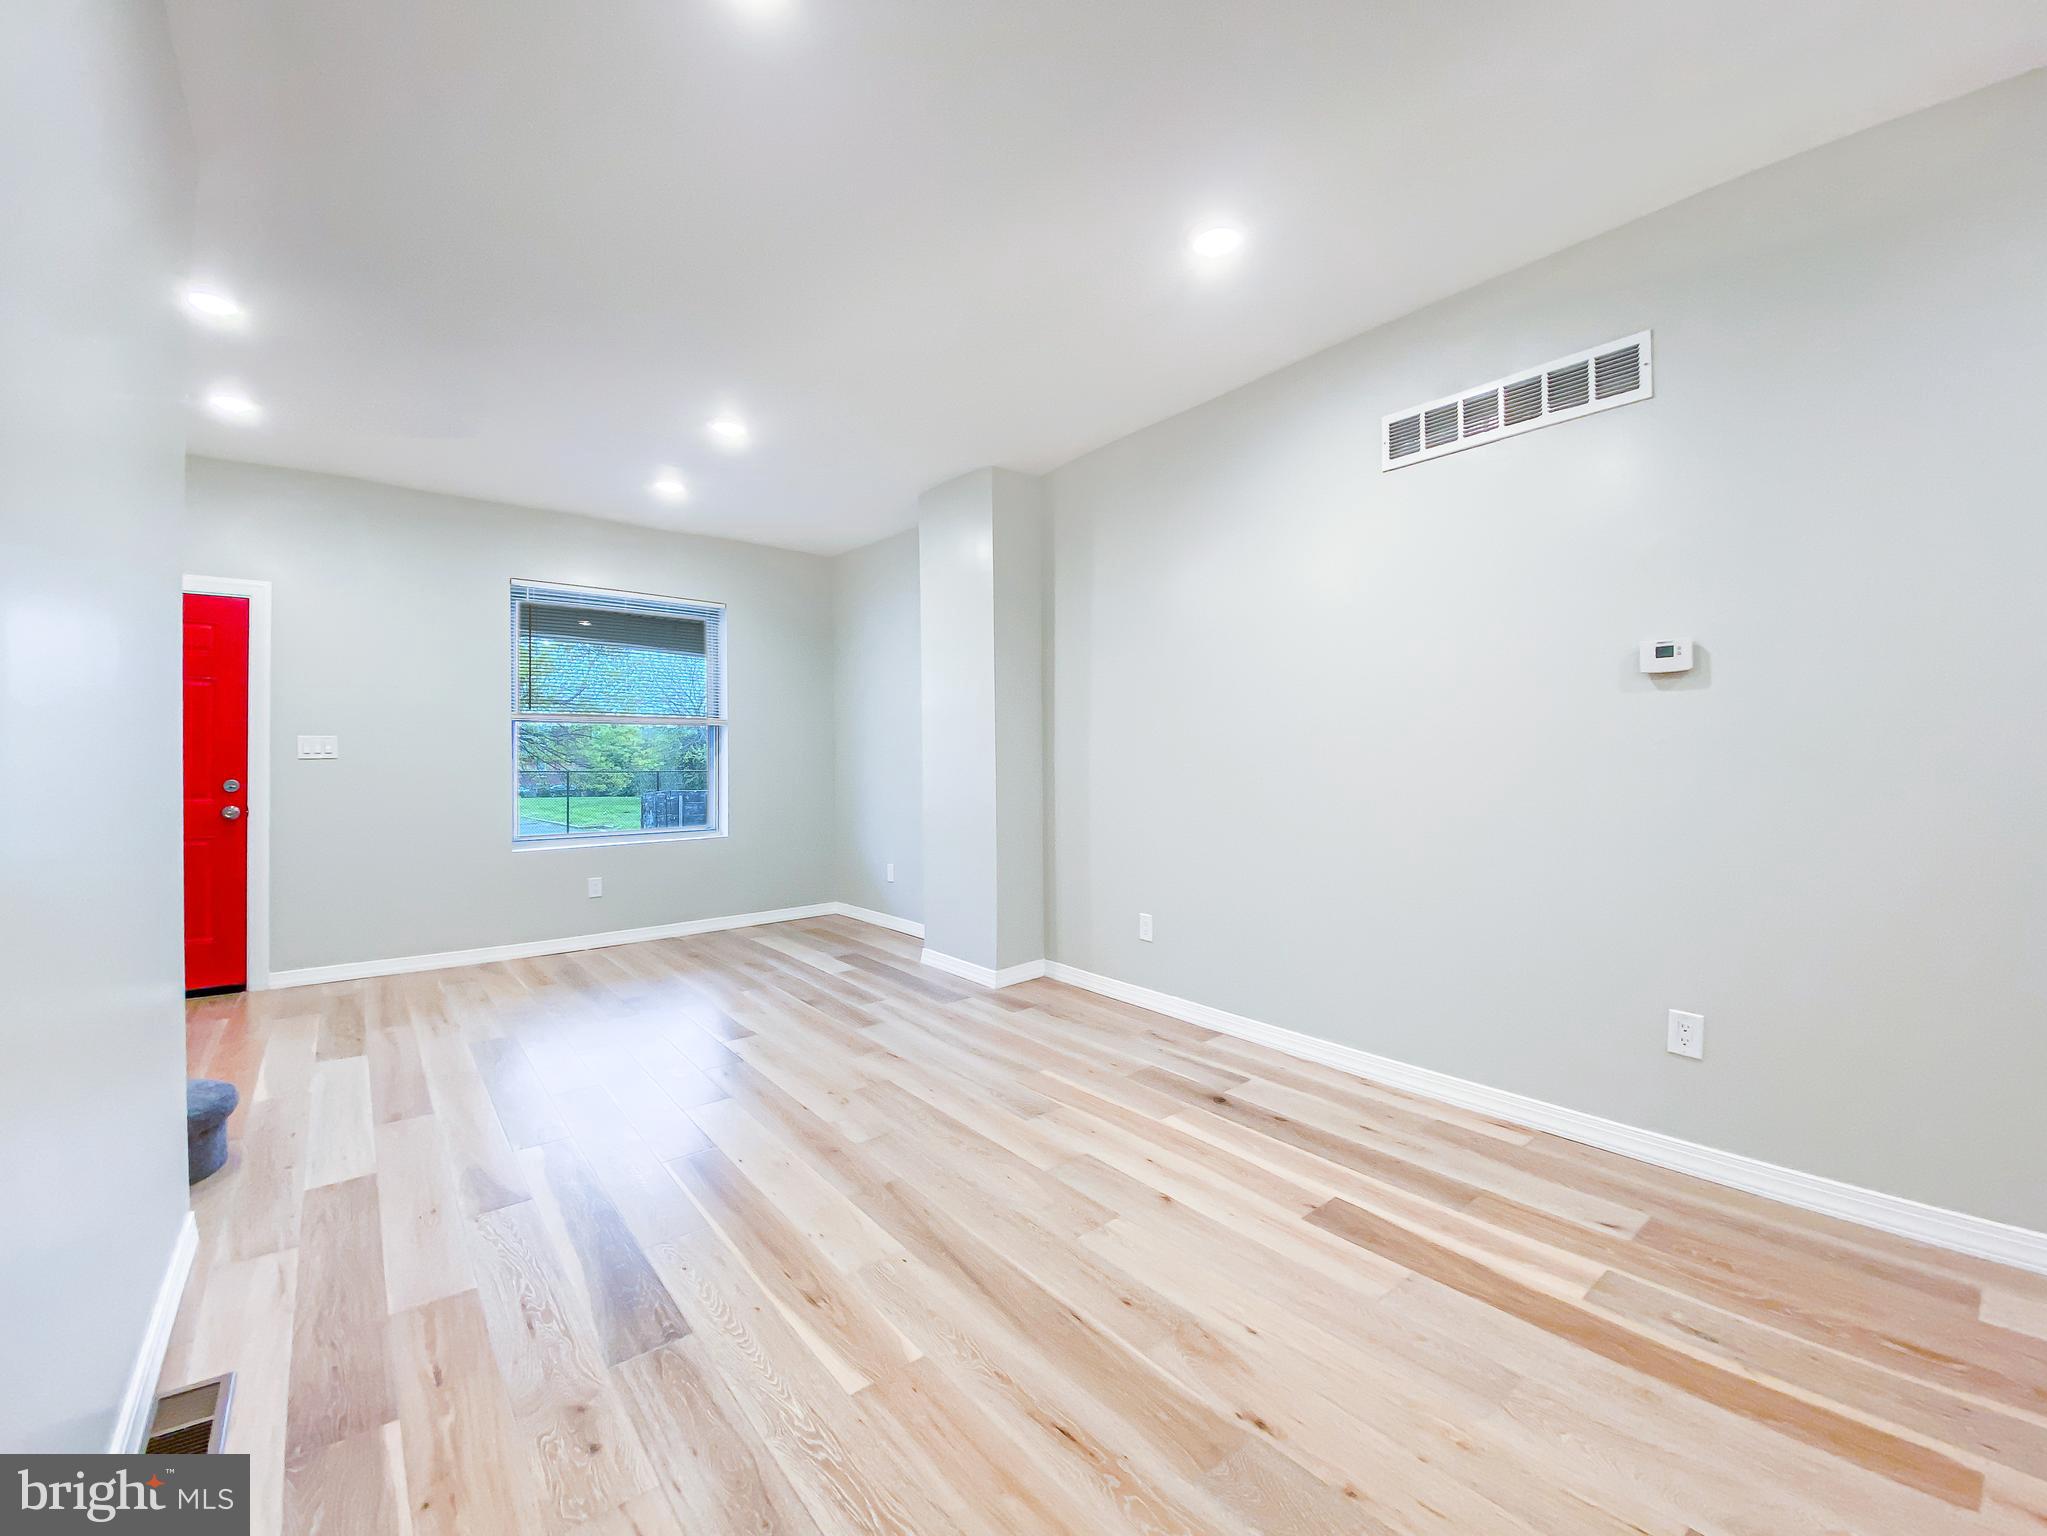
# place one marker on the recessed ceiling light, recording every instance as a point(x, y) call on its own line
point(728, 431)
point(668, 486)
point(231, 403)
point(211, 306)
point(1216, 242)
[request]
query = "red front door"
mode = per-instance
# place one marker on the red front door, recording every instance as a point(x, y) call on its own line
point(216, 792)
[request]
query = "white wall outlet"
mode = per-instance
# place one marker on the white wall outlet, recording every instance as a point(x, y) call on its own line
point(891, 874)
point(1687, 1034)
point(596, 885)
point(1144, 926)
point(313, 748)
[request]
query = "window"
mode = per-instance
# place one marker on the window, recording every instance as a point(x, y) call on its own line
point(618, 714)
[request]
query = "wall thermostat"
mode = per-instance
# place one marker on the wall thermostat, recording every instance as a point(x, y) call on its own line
point(1666, 655)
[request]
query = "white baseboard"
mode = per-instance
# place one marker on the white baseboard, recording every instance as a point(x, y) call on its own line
point(879, 919)
point(1956, 1230)
point(1975, 1235)
point(138, 1402)
point(1008, 976)
point(355, 970)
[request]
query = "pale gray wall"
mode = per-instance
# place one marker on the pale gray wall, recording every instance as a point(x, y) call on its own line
point(390, 632)
point(880, 727)
point(1374, 750)
point(94, 181)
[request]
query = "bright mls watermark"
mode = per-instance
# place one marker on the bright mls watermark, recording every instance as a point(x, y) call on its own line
point(168, 1495)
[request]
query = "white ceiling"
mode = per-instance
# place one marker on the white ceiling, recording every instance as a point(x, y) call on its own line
point(524, 249)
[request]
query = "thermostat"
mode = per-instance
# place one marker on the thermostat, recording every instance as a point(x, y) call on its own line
point(1666, 655)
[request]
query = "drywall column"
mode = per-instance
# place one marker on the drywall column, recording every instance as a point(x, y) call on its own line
point(981, 579)
point(95, 178)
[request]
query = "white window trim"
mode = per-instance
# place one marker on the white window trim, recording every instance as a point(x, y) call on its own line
point(614, 840)
point(720, 724)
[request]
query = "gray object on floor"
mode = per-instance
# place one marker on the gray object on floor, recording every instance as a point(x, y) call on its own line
point(208, 1103)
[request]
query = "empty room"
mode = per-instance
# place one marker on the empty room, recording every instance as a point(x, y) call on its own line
point(1023, 766)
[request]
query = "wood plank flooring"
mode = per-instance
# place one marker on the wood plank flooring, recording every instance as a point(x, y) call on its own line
point(778, 1231)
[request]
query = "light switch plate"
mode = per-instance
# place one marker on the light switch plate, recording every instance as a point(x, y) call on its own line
point(312, 748)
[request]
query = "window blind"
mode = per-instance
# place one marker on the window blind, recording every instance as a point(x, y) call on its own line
point(578, 651)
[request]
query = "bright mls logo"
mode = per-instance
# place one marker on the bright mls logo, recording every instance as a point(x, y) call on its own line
point(167, 1495)
point(101, 1501)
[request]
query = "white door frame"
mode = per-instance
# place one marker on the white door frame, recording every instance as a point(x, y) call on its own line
point(258, 594)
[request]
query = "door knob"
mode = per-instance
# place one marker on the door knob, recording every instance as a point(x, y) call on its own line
point(232, 785)
point(231, 812)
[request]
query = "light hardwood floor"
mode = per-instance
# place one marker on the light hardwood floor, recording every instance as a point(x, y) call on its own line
point(776, 1230)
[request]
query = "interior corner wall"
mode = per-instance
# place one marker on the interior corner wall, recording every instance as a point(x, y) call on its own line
point(879, 780)
point(95, 180)
point(1374, 749)
point(389, 622)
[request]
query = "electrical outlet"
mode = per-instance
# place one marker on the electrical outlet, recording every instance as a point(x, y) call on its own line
point(1687, 1034)
point(891, 874)
point(1144, 926)
point(596, 884)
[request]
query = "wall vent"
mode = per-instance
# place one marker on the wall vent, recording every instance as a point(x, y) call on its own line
point(192, 1421)
point(1597, 379)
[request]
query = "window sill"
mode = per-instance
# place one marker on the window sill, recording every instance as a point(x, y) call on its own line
point(601, 840)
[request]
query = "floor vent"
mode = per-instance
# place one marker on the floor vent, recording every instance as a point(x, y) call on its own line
point(1597, 379)
point(192, 1421)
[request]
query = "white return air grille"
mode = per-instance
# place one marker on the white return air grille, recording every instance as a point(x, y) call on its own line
point(1597, 379)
